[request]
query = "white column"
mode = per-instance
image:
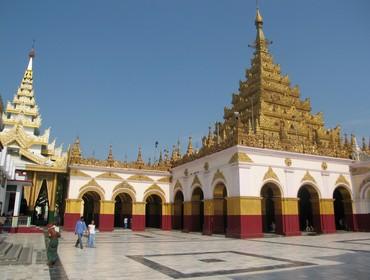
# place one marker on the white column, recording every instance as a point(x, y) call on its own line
point(17, 202)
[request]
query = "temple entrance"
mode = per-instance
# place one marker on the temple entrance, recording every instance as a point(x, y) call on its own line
point(271, 208)
point(123, 210)
point(41, 210)
point(220, 209)
point(91, 205)
point(343, 209)
point(153, 211)
point(309, 209)
point(197, 209)
point(178, 217)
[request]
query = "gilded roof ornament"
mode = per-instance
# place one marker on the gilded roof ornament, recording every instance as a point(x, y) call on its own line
point(342, 180)
point(308, 177)
point(270, 174)
point(240, 157)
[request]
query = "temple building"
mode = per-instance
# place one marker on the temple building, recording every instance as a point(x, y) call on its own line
point(270, 166)
point(39, 164)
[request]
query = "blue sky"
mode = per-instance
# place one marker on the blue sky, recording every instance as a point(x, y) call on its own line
point(130, 73)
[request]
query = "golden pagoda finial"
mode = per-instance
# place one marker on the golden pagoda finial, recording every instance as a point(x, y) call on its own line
point(75, 152)
point(189, 151)
point(31, 56)
point(363, 144)
point(160, 160)
point(110, 156)
point(139, 159)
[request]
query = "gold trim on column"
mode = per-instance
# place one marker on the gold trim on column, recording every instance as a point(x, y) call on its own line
point(166, 209)
point(289, 206)
point(208, 207)
point(327, 206)
point(73, 206)
point(107, 207)
point(244, 205)
point(187, 208)
point(138, 208)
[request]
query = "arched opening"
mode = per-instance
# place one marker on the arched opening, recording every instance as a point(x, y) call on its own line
point(197, 209)
point(343, 209)
point(153, 211)
point(178, 215)
point(271, 208)
point(309, 209)
point(41, 210)
point(220, 208)
point(123, 210)
point(91, 206)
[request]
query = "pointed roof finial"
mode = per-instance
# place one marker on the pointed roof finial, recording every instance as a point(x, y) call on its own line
point(189, 152)
point(110, 156)
point(139, 157)
point(31, 55)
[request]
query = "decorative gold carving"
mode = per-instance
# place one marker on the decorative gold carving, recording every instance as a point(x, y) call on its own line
point(324, 165)
point(78, 173)
point(139, 177)
point(308, 177)
point(124, 185)
point(186, 172)
point(240, 157)
point(196, 181)
point(91, 183)
point(177, 185)
point(109, 175)
point(288, 162)
point(155, 188)
point(342, 180)
point(206, 166)
point(218, 175)
point(270, 174)
point(166, 179)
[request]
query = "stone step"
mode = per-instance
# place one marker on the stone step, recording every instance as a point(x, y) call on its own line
point(13, 253)
point(25, 257)
point(4, 248)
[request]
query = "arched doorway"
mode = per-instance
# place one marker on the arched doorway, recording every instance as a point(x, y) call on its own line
point(91, 206)
point(271, 208)
point(178, 215)
point(343, 209)
point(197, 209)
point(123, 210)
point(153, 211)
point(309, 209)
point(220, 208)
point(41, 210)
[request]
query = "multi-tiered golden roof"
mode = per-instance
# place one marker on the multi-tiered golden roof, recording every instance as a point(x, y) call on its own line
point(267, 112)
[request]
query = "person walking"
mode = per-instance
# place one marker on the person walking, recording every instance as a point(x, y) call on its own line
point(52, 249)
point(80, 229)
point(91, 239)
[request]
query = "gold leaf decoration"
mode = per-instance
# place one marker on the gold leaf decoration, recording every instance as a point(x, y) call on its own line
point(196, 181)
point(124, 185)
point(164, 180)
point(288, 162)
point(308, 177)
point(91, 183)
point(324, 165)
point(270, 174)
point(139, 177)
point(177, 185)
point(155, 188)
point(78, 173)
point(240, 157)
point(342, 180)
point(109, 175)
point(218, 175)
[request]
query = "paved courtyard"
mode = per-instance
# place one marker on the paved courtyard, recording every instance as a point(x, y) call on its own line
point(156, 254)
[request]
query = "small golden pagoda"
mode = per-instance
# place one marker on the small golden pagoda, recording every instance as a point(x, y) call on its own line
point(267, 112)
point(36, 158)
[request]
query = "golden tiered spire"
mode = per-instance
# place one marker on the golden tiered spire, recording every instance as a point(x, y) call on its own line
point(139, 159)
point(110, 158)
point(75, 152)
point(189, 151)
point(23, 110)
point(267, 112)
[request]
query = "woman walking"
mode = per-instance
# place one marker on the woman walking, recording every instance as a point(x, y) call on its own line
point(52, 249)
point(91, 239)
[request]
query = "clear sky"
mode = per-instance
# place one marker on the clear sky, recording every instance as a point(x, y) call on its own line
point(130, 73)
